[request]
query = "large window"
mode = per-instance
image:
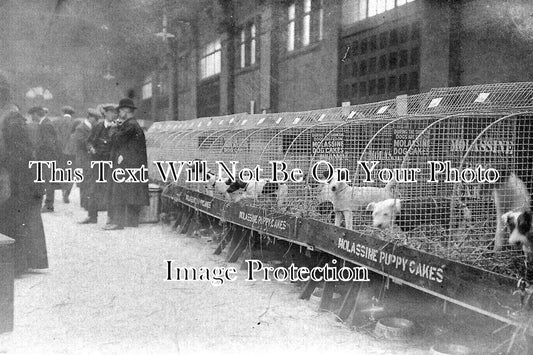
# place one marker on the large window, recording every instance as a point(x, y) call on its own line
point(147, 88)
point(210, 59)
point(357, 10)
point(380, 63)
point(248, 45)
point(304, 23)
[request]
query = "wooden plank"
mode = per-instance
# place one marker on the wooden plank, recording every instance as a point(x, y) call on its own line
point(226, 237)
point(308, 290)
point(477, 289)
point(327, 295)
point(348, 301)
point(242, 242)
point(187, 221)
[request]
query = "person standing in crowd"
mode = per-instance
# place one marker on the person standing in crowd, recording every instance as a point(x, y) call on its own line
point(99, 144)
point(128, 150)
point(64, 127)
point(78, 140)
point(46, 149)
point(21, 213)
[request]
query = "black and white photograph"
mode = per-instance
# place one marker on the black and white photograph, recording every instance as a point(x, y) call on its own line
point(266, 177)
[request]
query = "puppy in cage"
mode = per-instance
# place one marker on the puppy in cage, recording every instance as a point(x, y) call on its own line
point(346, 199)
point(513, 210)
point(255, 189)
point(409, 214)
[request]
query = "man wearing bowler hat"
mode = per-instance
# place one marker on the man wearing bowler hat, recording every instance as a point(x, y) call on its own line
point(128, 151)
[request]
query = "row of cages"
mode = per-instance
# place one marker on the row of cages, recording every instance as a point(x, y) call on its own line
point(426, 181)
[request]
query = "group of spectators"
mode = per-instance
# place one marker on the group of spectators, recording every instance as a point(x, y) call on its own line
point(108, 133)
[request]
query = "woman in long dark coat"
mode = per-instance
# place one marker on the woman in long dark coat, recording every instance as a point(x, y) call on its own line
point(21, 213)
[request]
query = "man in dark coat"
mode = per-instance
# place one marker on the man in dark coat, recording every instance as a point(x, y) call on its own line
point(128, 150)
point(64, 127)
point(47, 149)
point(78, 140)
point(99, 144)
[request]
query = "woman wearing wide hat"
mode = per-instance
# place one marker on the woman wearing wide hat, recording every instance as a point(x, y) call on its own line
point(128, 151)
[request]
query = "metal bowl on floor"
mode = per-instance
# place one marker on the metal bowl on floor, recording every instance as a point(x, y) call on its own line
point(450, 349)
point(394, 328)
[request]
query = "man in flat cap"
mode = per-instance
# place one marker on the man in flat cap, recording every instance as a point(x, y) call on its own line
point(65, 127)
point(128, 150)
point(47, 148)
point(99, 144)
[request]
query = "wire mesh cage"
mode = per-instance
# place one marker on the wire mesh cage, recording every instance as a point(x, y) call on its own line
point(436, 171)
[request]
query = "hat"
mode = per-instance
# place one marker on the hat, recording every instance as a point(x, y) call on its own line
point(126, 103)
point(67, 110)
point(36, 110)
point(102, 108)
point(91, 112)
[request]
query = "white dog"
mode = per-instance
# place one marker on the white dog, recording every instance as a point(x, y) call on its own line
point(346, 199)
point(214, 187)
point(411, 213)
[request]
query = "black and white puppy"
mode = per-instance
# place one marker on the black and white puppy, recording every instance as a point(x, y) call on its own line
point(520, 229)
point(513, 202)
point(254, 189)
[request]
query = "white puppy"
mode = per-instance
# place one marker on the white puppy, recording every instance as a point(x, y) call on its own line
point(214, 187)
point(346, 199)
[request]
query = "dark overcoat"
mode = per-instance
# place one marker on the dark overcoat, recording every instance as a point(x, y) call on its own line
point(47, 142)
point(100, 142)
point(78, 140)
point(21, 213)
point(128, 150)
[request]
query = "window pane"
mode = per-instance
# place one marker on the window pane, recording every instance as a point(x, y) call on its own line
point(415, 55)
point(393, 60)
point(350, 11)
point(305, 30)
point(392, 83)
point(252, 51)
point(403, 82)
point(147, 91)
point(307, 6)
point(383, 37)
point(400, 2)
point(381, 86)
point(372, 7)
point(381, 6)
point(292, 11)
point(362, 9)
point(354, 69)
point(243, 53)
point(413, 80)
point(372, 65)
point(403, 57)
point(383, 63)
point(290, 36)
point(354, 90)
point(373, 43)
point(362, 89)
point(320, 15)
point(372, 87)
point(252, 31)
point(390, 5)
